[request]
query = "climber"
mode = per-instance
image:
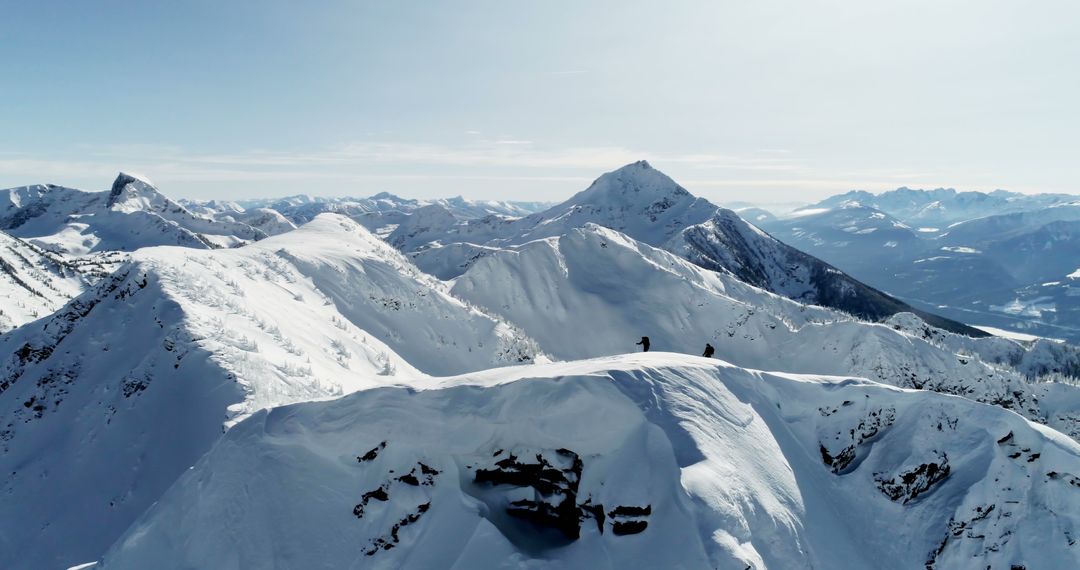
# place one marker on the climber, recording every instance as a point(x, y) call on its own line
point(708, 350)
point(644, 342)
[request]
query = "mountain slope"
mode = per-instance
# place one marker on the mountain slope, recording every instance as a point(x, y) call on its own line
point(269, 221)
point(33, 282)
point(106, 402)
point(131, 215)
point(381, 212)
point(650, 207)
point(636, 199)
point(594, 292)
point(643, 461)
point(852, 232)
point(1004, 270)
point(729, 243)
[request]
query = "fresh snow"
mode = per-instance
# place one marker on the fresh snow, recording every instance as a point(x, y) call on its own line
point(960, 249)
point(106, 402)
point(648, 206)
point(33, 282)
point(131, 215)
point(371, 419)
point(693, 463)
point(595, 292)
point(1010, 334)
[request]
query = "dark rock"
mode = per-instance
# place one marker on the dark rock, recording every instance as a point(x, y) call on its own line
point(628, 527)
point(372, 454)
point(915, 482)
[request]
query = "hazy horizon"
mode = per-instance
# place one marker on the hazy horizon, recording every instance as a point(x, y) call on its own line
point(765, 102)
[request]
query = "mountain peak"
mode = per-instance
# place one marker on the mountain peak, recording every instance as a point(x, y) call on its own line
point(635, 182)
point(125, 178)
point(132, 191)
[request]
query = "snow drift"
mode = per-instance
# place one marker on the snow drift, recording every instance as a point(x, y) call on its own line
point(642, 461)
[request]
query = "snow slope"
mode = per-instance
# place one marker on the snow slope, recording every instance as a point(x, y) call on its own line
point(636, 461)
point(33, 282)
point(1033, 356)
point(595, 292)
point(269, 221)
point(636, 199)
point(1003, 269)
point(647, 205)
point(728, 243)
point(133, 214)
point(106, 402)
point(386, 210)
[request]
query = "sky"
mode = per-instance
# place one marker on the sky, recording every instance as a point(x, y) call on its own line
point(759, 101)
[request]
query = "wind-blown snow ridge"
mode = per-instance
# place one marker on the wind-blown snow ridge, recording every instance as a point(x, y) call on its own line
point(594, 292)
point(127, 385)
point(658, 461)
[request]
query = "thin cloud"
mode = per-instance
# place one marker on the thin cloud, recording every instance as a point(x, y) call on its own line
point(501, 160)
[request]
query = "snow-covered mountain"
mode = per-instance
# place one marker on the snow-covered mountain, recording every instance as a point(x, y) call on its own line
point(657, 460)
point(650, 207)
point(34, 282)
point(131, 215)
point(637, 461)
point(595, 292)
point(856, 230)
point(269, 221)
point(382, 212)
point(106, 402)
point(754, 215)
point(637, 200)
point(942, 206)
point(1008, 270)
point(729, 243)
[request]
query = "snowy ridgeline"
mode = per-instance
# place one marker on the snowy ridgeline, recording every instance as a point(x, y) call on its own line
point(658, 460)
point(640, 461)
point(131, 215)
point(588, 292)
point(106, 402)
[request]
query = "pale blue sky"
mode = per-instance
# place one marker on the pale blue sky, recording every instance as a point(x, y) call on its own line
point(738, 100)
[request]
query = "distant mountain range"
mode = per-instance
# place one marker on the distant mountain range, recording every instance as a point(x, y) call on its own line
point(944, 206)
point(1000, 259)
point(437, 384)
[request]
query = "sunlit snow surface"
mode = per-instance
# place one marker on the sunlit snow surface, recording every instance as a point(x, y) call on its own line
point(735, 468)
point(607, 460)
point(106, 402)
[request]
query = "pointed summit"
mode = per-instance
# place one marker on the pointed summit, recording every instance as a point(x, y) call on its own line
point(633, 183)
point(133, 192)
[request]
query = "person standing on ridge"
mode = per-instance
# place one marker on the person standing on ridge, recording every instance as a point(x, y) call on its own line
point(708, 350)
point(644, 342)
